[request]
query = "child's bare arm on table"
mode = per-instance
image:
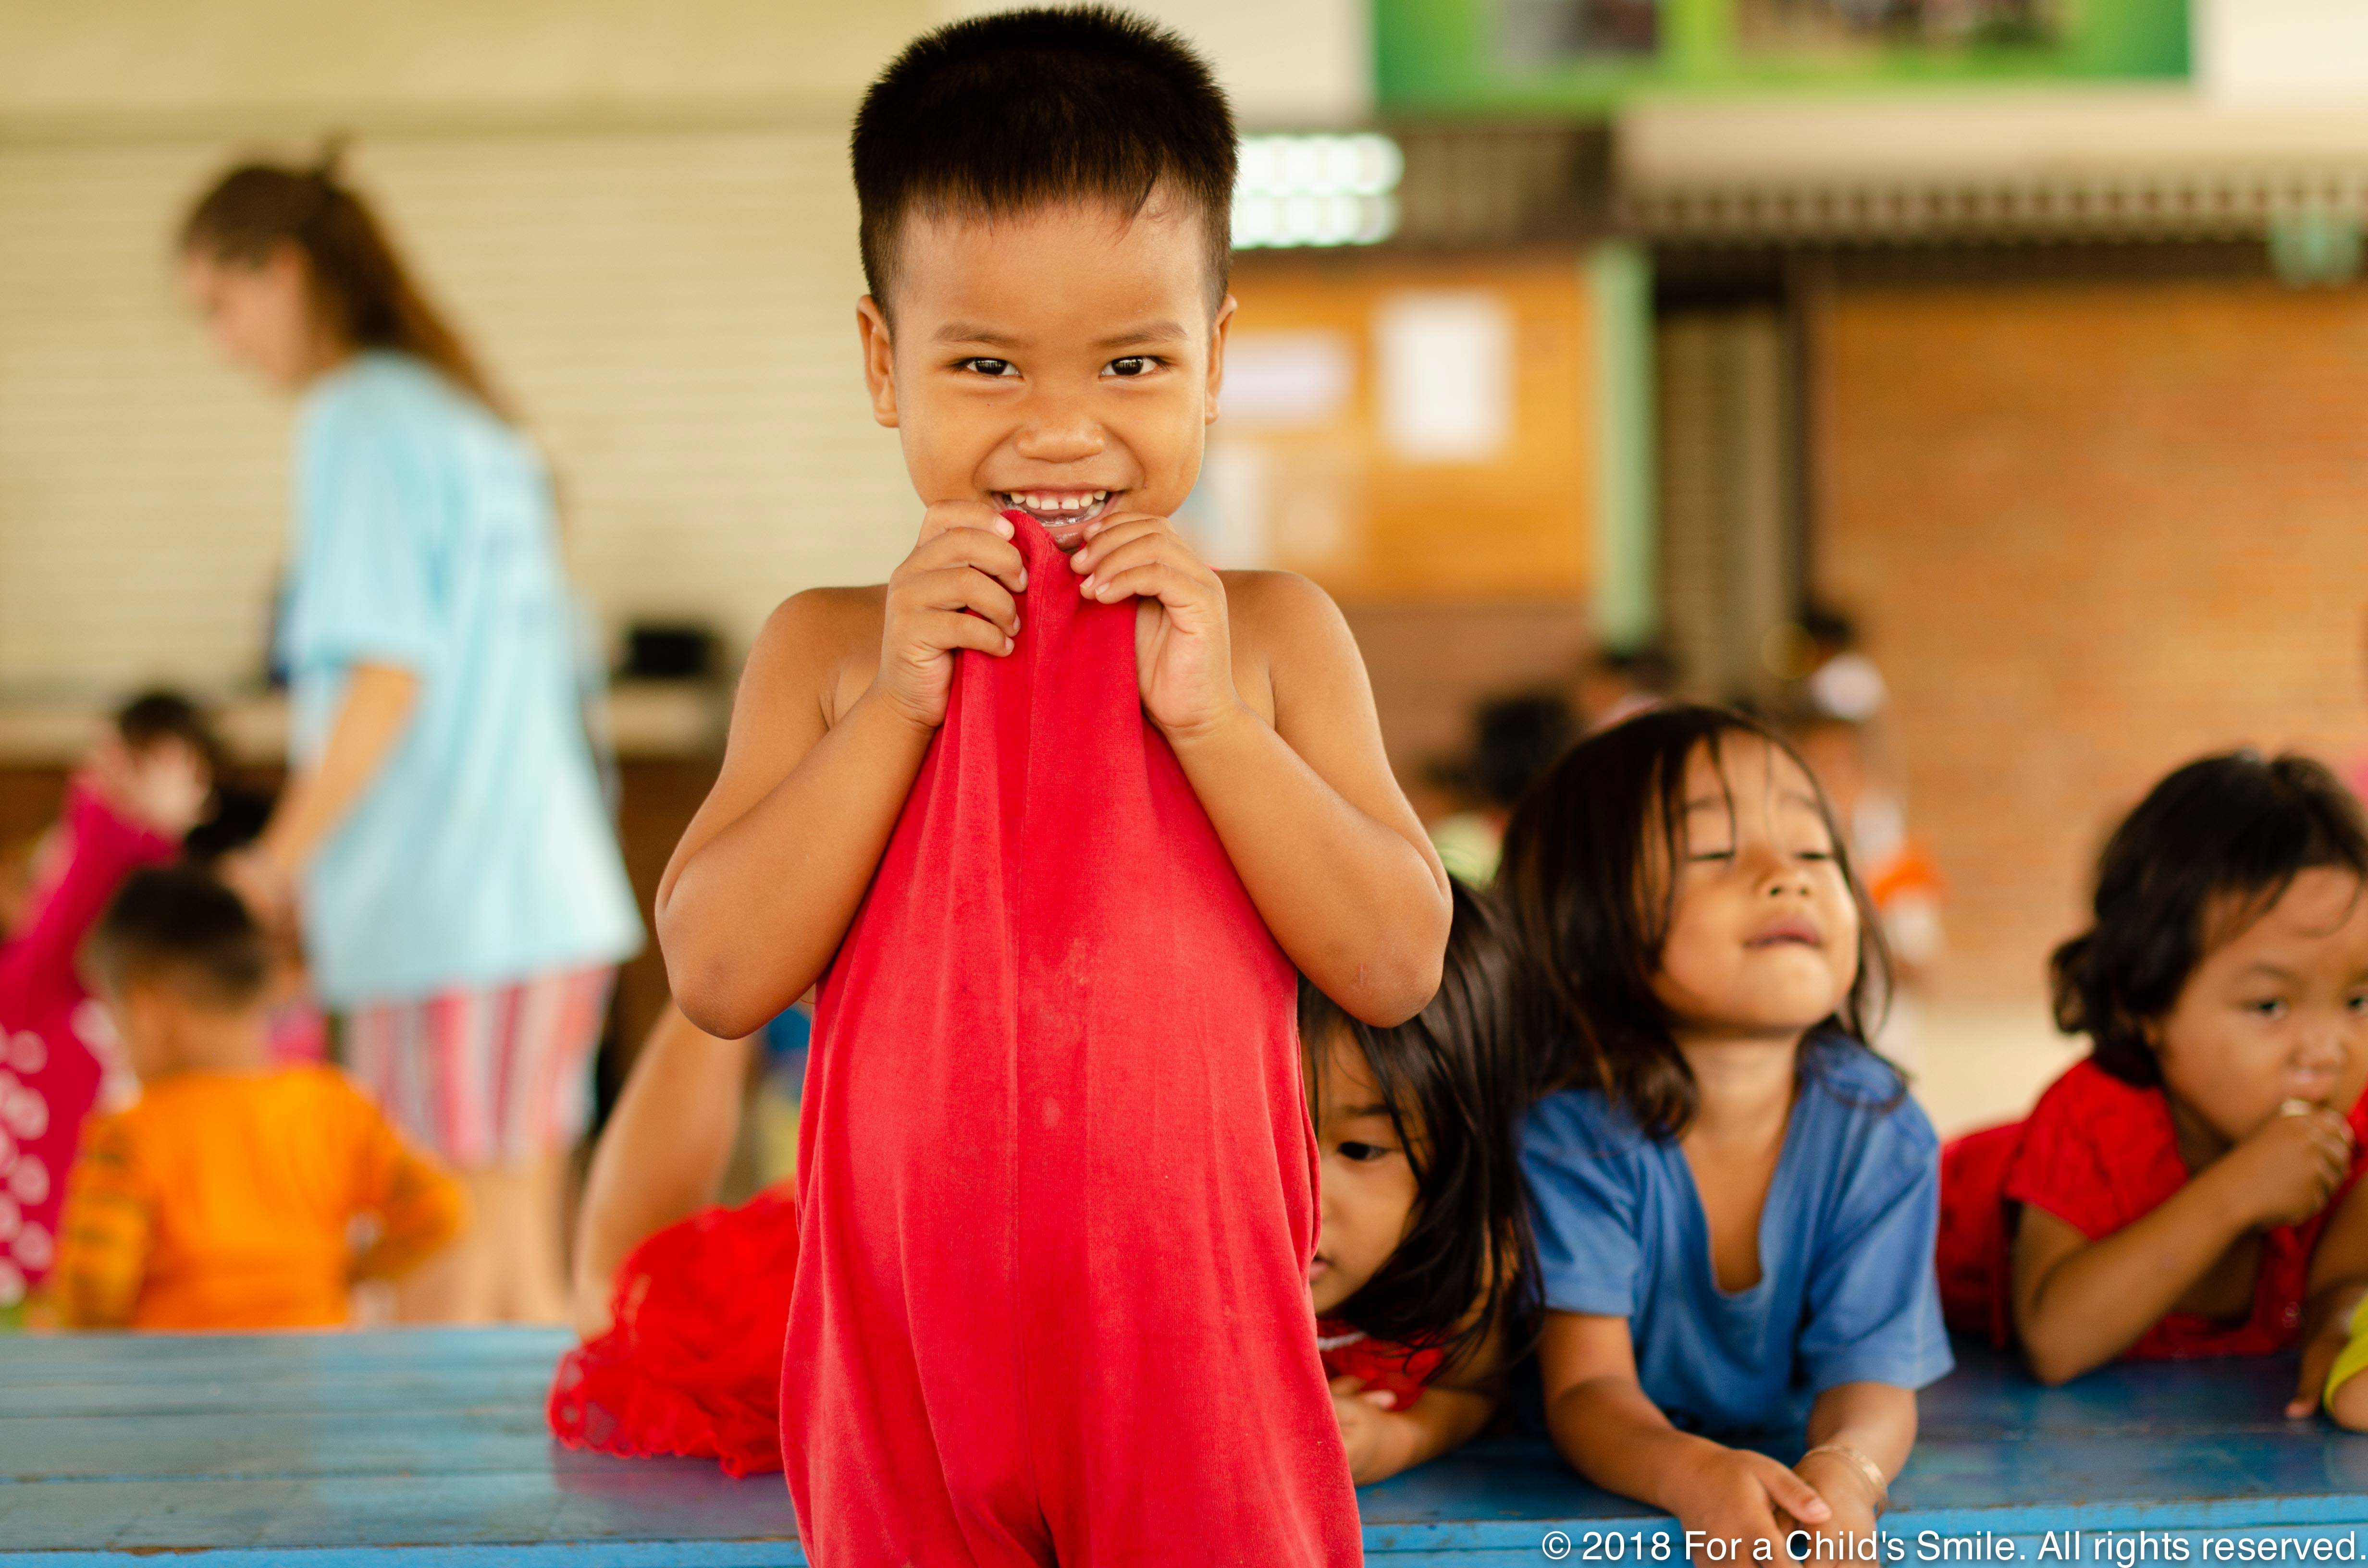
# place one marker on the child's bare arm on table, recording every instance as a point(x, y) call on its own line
point(776, 860)
point(662, 1156)
point(1256, 683)
point(2078, 1304)
point(2338, 1277)
point(1616, 1437)
point(1874, 1421)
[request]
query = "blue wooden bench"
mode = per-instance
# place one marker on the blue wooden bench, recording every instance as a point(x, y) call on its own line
point(428, 1448)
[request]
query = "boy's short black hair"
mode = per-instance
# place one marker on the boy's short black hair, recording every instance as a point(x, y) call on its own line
point(2231, 827)
point(183, 928)
point(1002, 113)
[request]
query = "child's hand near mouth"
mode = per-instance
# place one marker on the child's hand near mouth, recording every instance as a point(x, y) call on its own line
point(964, 561)
point(1183, 645)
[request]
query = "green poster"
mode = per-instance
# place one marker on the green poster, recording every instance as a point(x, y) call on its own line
point(1547, 56)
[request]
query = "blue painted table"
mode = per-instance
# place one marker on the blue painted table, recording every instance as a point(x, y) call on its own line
point(428, 1448)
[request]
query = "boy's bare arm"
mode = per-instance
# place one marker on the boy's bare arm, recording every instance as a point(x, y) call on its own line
point(769, 872)
point(1306, 806)
point(1332, 854)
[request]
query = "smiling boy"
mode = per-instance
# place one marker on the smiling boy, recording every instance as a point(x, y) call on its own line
point(1045, 202)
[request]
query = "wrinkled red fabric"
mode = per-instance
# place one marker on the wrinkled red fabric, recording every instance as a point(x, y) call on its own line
point(2101, 1154)
point(1056, 1180)
point(1379, 1364)
point(691, 1364)
point(1976, 1238)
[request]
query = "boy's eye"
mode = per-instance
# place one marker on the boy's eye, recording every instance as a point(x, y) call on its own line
point(2358, 1003)
point(1364, 1153)
point(1817, 854)
point(1701, 854)
point(990, 367)
point(2268, 1007)
point(1132, 365)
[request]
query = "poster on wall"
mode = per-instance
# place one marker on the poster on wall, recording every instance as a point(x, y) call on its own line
point(1537, 33)
point(1586, 56)
point(1832, 27)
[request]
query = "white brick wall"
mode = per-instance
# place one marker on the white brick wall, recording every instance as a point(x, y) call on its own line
point(673, 310)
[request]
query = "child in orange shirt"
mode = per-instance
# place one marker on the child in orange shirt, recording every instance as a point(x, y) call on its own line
point(226, 1197)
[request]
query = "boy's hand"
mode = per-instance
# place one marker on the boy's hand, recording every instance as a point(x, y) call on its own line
point(1183, 647)
point(965, 561)
point(2287, 1169)
point(1734, 1494)
point(1375, 1438)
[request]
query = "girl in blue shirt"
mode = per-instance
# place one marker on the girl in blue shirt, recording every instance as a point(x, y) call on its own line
point(443, 839)
point(1734, 1200)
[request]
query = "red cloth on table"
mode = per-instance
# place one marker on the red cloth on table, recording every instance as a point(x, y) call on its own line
point(691, 1364)
point(1348, 1352)
point(2099, 1154)
point(50, 1072)
point(1056, 1180)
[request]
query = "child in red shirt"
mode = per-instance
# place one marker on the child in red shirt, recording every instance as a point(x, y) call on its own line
point(1050, 818)
point(140, 790)
point(2188, 1190)
point(1423, 1243)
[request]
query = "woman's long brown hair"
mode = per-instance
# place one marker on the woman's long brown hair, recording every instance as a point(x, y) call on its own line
point(366, 296)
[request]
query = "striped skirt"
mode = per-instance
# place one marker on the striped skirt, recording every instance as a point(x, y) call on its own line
point(499, 1075)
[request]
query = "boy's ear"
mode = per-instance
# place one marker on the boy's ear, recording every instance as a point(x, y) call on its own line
point(878, 359)
point(1217, 330)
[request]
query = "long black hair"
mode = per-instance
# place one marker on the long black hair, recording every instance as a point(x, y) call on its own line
point(2226, 827)
point(1450, 1080)
point(1590, 912)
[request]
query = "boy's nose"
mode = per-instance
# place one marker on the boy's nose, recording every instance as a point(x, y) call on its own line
point(1060, 436)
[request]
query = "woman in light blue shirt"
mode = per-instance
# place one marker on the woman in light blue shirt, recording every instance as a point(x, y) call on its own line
point(442, 839)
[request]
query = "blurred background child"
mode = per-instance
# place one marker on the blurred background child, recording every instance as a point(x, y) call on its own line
point(1615, 684)
point(147, 783)
point(227, 1196)
point(2182, 1191)
point(1514, 739)
point(1422, 1283)
point(1734, 1197)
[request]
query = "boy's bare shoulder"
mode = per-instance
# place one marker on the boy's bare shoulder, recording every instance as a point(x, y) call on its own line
point(1288, 637)
point(820, 640)
point(1282, 612)
point(814, 614)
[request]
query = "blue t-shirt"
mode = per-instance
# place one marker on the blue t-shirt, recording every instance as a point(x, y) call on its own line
point(426, 539)
point(1846, 1291)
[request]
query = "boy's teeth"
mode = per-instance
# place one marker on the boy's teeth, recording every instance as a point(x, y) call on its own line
point(1034, 502)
